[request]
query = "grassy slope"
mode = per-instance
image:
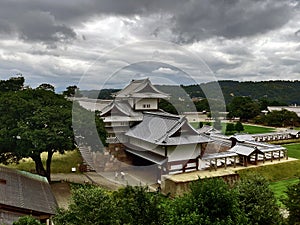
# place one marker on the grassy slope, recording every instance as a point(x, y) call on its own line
point(293, 150)
point(60, 163)
point(248, 128)
point(281, 175)
point(280, 187)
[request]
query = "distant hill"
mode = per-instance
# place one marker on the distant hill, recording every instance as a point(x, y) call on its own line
point(282, 91)
point(103, 94)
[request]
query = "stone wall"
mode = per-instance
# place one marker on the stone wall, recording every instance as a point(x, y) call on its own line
point(173, 188)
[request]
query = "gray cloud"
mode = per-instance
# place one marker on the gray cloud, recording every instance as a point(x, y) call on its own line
point(52, 21)
point(230, 19)
point(32, 24)
point(238, 39)
point(41, 26)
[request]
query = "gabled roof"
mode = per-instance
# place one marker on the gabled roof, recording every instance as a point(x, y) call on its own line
point(150, 156)
point(242, 137)
point(120, 108)
point(206, 129)
point(245, 150)
point(140, 89)
point(26, 191)
point(166, 129)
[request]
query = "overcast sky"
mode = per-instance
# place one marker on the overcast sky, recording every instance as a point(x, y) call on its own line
point(104, 43)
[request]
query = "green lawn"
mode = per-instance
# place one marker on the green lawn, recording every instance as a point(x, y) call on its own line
point(279, 175)
point(280, 187)
point(276, 172)
point(257, 129)
point(250, 129)
point(60, 163)
point(293, 150)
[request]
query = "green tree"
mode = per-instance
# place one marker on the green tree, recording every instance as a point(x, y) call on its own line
point(210, 201)
point(90, 206)
point(27, 220)
point(202, 105)
point(47, 87)
point(13, 84)
point(239, 126)
point(167, 106)
point(129, 205)
point(243, 107)
point(136, 205)
point(281, 118)
point(292, 202)
point(257, 200)
point(34, 121)
point(72, 91)
point(230, 128)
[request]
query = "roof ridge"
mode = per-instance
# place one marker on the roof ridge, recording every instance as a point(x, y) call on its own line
point(163, 114)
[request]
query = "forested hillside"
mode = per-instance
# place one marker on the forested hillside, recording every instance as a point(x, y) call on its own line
point(281, 91)
point(285, 92)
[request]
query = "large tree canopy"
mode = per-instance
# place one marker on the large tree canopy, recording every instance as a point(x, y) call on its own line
point(209, 201)
point(257, 201)
point(34, 121)
point(13, 84)
point(243, 107)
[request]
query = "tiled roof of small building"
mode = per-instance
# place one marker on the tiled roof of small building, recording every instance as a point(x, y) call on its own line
point(26, 191)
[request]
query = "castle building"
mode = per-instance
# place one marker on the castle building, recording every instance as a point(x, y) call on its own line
point(138, 130)
point(136, 125)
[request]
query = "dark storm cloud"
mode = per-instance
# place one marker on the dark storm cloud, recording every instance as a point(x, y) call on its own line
point(230, 19)
point(33, 24)
point(190, 21)
point(41, 26)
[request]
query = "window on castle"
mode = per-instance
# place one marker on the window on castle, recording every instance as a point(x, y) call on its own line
point(146, 105)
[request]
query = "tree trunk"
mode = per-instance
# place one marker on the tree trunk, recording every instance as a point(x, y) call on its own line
point(48, 165)
point(39, 167)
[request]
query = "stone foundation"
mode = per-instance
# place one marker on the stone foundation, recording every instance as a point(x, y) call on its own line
point(176, 188)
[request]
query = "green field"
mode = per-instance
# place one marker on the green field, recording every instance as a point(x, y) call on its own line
point(280, 187)
point(276, 172)
point(60, 163)
point(293, 150)
point(250, 129)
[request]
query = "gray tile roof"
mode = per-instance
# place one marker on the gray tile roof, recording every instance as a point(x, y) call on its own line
point(26, 191)
point(140, 89)
point(206, 129)
point(244, 150)
point(162, 129)
point(242, 137)
point(152, 157)
point(120, 107)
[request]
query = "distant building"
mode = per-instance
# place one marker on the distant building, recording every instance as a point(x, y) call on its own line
point(23, 193)
point(295, 109)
